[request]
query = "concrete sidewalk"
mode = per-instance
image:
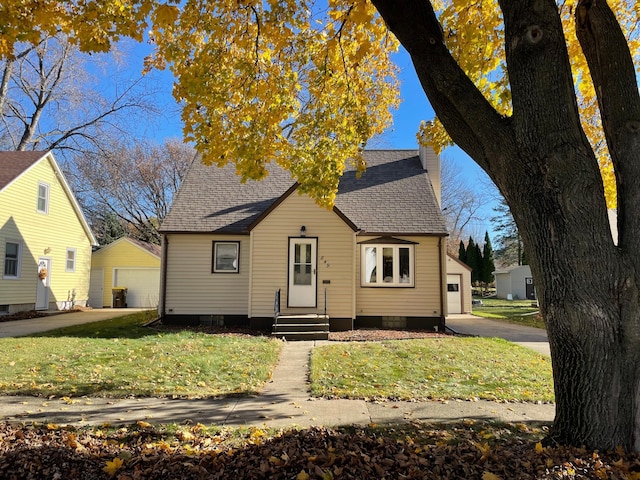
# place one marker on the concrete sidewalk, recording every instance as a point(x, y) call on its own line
point(285, 401)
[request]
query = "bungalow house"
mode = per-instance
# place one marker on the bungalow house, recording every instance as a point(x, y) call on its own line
point(126, 263)
point(45, 241)
point(515, 283)
point(238, 253)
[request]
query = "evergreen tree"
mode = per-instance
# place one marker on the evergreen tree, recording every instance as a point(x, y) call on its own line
point(462, 252)
point(488, 266)
point(510, 250)
point(479, 269)
point(472, 259)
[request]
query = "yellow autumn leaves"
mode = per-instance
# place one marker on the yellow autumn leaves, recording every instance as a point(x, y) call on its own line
point(297, 82)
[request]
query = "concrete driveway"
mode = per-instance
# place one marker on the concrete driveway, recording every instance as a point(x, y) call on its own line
point(534, 338)
point(19, 328)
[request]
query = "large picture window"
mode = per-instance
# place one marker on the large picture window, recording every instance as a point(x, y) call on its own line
point(387, 265)
point(226, 257)
point(11, 260)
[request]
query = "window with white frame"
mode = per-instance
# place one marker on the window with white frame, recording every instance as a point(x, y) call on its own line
point(387, 265)
point(226, 257)
point(71, 260)
point(43, 197)
point(12, 260)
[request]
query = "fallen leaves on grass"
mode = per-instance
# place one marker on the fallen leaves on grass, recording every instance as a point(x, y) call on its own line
point(469, 450)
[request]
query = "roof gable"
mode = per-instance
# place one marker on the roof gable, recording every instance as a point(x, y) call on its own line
point(149, 248)
point(394, 196)
point(14, 165)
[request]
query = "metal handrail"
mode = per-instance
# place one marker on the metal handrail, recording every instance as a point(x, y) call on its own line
point(276, 306)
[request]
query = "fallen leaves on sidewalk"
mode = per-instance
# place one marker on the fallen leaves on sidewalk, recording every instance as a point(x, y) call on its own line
point(468, 450)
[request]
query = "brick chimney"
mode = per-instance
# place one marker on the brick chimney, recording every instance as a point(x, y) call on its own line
point(431, 163)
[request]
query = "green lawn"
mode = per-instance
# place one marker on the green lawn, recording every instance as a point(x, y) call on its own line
point(121, 358)
point(436, 368)
point(514, 311)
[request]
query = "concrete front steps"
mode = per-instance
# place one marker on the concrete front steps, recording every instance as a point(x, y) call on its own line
point(309, 326)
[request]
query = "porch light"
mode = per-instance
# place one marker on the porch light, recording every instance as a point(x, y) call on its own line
point(303, 231)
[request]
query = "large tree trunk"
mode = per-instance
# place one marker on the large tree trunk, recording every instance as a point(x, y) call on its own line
point(543, 164)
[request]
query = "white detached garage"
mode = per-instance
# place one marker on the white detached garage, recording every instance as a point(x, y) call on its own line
point(458, 286)
point(130, 264)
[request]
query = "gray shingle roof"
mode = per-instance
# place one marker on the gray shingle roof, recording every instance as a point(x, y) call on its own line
point(12, 164)
point(394, 196)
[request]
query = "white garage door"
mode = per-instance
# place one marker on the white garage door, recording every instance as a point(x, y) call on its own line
point(454, 296)
point(143, 286)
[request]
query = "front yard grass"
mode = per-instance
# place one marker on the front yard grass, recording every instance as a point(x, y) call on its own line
point(121, 358)
point(514, 311)
point(435, 368)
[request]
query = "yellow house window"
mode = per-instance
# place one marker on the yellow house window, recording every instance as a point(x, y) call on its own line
point(71, 260)
point(43, 197)
point(11, 260)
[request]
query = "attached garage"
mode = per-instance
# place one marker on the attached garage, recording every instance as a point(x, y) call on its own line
point(127, 263)
point(458, 286)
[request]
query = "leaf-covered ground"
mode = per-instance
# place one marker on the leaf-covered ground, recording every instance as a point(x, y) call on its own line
point(468, 450)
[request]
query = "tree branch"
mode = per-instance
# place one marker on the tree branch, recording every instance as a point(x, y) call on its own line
point(614, 79)
point(469, 118)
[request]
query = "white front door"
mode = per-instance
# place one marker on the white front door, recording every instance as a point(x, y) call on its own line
point(43, 282)
point(302, 272)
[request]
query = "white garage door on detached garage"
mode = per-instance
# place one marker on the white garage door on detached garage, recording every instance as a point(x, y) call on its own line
point(142, 284)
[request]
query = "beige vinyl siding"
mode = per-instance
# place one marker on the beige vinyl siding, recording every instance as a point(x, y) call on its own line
point(422, 300)
point(191, 288)
point(270, 258)
point(120, 254)
point(43, 235)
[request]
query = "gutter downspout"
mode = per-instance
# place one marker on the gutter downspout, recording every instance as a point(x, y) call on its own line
point(165, 255)
point(441, 327)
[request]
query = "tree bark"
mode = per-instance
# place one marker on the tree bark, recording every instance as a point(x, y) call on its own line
point(542, 162)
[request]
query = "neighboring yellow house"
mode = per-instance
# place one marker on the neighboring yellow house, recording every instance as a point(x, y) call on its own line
point(45, 240)
point(127, 263)
point(245, 253)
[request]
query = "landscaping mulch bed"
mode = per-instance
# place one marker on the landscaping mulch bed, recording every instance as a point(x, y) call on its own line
point(357, 335)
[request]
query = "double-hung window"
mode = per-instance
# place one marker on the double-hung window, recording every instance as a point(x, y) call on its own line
point(387, 265)
point(226, 257)
point(11, 260)
point(71, 260)
point(43, 197)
